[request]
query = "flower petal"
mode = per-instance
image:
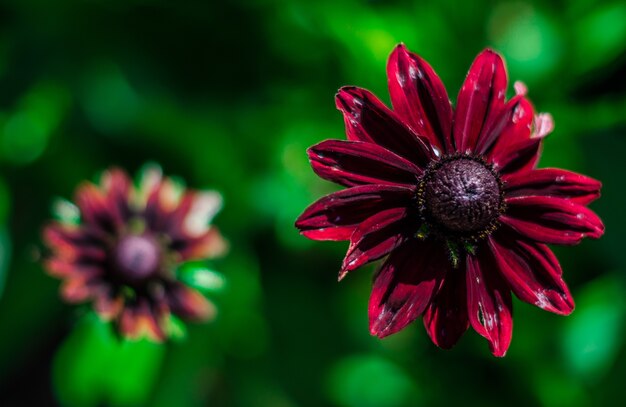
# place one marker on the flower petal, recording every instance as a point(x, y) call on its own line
point(552, 220)
point(368, 119)
point(518, 157)
point(419, 97)
point(117, 188)
point(533, 273)
point(139, 320)
point(489, 303)
point(480, 99)
point(351, 163)
point(189, 304)
point(336, 216)
point(96, 211)
point(405, 285)
point(68, 241)
point(512, 125)
point(210, 244)
point(376, 237)
point(446, 319)
point(553, 182)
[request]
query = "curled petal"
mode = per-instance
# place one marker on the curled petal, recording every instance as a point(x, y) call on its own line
point(368, 119)
point(375, 237)
point(533, 273)
point(419, 97)
point(445, 318)
point(552, 220)
point(404, 286)
point(351, 163)
point(489, 303)
point(336, 216)
point(542, 125)
point(553, 182)
point(480, 100)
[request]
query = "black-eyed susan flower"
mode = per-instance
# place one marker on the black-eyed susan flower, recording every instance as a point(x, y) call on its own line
point(453, 198)
point(122, 244)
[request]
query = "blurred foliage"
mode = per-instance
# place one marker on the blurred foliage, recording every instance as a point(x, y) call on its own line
point(228, 96)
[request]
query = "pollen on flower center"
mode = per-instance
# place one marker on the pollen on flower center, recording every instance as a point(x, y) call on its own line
point(136, 257)
point(462, 195)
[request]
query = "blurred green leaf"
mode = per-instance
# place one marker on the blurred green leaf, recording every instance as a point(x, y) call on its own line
point(198, 275)
point(370, 381)
point(25, 133)
point(595, 332)
point(93, 367)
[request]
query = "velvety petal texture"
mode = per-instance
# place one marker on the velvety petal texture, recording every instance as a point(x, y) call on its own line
point(123, 250)
point(451, 200)
point(405, 286)
point(419, 97)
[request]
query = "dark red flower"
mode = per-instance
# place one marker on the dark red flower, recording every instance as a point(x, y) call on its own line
point(121, 246)
point(453, 198)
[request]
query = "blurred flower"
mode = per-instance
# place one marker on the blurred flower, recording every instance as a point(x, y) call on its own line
point(121, 246)
point(453, 198)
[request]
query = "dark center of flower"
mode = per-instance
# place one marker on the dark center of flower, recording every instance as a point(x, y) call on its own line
point(136, 257)
point(462, 195)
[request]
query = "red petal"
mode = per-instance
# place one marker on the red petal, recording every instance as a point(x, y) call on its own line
point(518, 157)
point(481, 97)
point(533, 273)
point(489, 304)
point(189, 304)
point(95, 209)
point(552, 220)
point(405, 285)
point(368, 119)
point(117, 186)
point(419, 97)
point(376, 237)
point(445, 318)
point(208, 245)
point(68, 241)
point(353, 163)
point(139, 320)
point(512, 125)
point(553, 182)
point(336, 216)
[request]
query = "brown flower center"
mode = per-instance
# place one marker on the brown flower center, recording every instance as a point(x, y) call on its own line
point(461, 195)
point(136, 257)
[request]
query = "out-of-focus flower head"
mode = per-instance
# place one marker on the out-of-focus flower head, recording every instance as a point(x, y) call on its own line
point(124, 246)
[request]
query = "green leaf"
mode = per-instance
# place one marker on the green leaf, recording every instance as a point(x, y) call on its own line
point(198, 276)
point(93, 367)
point(594, 333)
point(370, 381)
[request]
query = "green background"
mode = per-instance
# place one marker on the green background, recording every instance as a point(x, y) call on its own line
point(228, 95)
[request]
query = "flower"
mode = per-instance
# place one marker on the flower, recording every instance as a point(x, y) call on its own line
point(453, 198)
point(121, 247)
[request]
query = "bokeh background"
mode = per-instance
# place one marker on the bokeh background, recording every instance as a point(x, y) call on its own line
point(228, 95)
